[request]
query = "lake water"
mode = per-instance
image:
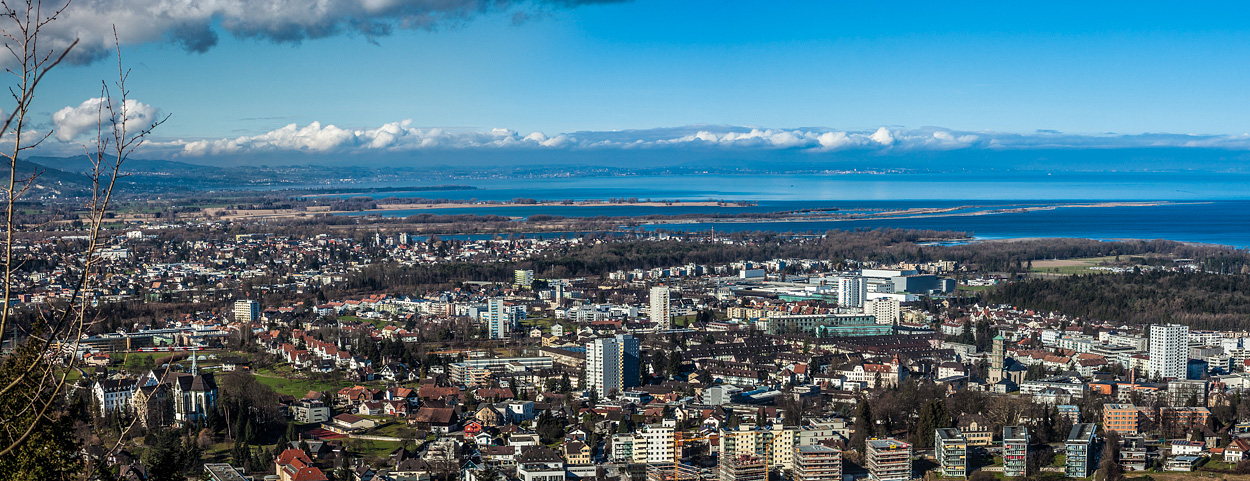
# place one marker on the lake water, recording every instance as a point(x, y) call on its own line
point(1207, 208)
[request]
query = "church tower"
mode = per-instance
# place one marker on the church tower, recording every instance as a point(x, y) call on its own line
point(998, 358)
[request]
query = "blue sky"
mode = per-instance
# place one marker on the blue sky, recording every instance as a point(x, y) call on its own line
point(996, 67)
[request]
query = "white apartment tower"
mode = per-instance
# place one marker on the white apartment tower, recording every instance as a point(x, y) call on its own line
point(1169, 350)
point(852, 291)
point(501, 317)
point(246, 310)
point(661, 308)
point(603, 366)
point(612, 364)
point(887, 310)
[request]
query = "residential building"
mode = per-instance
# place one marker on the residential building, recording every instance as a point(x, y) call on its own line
point(886, 310)
point(952, 452)
point(659, 443)
point(502, 318)
point(1169, 351)
point(1015, 451)
point(888, 460)
point(309, 411)
point(612, 364)
point(295, 465)
point(661, 309)
point(603, 371)
point(977, 432)
point(523, 278)
point(577, 452)
point(246, 310)
point(817, 463)
point(539, 463)
point(852, 291)
point(1133, 456)
point(1179, 421)
point(112, 395)
point(1081, 451)
point(1121, 418)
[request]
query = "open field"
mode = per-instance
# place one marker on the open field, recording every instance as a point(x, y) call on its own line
point(299, 387)
point(1080, 265)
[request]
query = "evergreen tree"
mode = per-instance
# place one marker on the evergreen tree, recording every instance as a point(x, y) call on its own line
point(863, 427)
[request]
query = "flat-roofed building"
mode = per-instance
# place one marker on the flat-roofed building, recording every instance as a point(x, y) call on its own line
point(1181, 420)
point(1081, 451)
point(1015, 451)
point(952, 452)
point(817, 463)
point(1121, 418)
point(889, 460)
point(1133, 455)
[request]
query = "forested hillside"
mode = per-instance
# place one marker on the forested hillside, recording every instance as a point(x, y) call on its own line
point(1200, 300)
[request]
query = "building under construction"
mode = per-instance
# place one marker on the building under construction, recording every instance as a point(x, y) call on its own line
point(817, 463)
point(743, 467)
point(664, 472)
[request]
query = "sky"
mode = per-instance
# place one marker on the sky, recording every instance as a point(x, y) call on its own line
point(241, 76)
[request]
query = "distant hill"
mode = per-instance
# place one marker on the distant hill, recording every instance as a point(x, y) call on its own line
point(82, 164)
point(52, 181)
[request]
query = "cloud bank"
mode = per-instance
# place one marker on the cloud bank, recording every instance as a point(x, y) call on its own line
point(316, 138)
point(192, 24)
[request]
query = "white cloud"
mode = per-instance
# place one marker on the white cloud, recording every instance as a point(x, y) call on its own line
point(72, 122)
point(883, 136)
point(402, 136)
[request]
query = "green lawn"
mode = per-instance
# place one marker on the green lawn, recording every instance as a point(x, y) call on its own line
point(545, 324)
point(396, 429)
point(300, 387)
point(975, 288)
point(379, 449)
point(378, 323)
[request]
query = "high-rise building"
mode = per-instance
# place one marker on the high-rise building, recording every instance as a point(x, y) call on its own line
point(631, 361)
point(952, 452)
point(1015, 451)
point(661, 308)
point(523, 277)
point(852, 291)
point(246, 310)
point(612, 364)
point(817, 463)
point(1081, 451)
point(1169, 351)
point(603, 369)
point(889, 460)
point(886, 310)
point(501, 318)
